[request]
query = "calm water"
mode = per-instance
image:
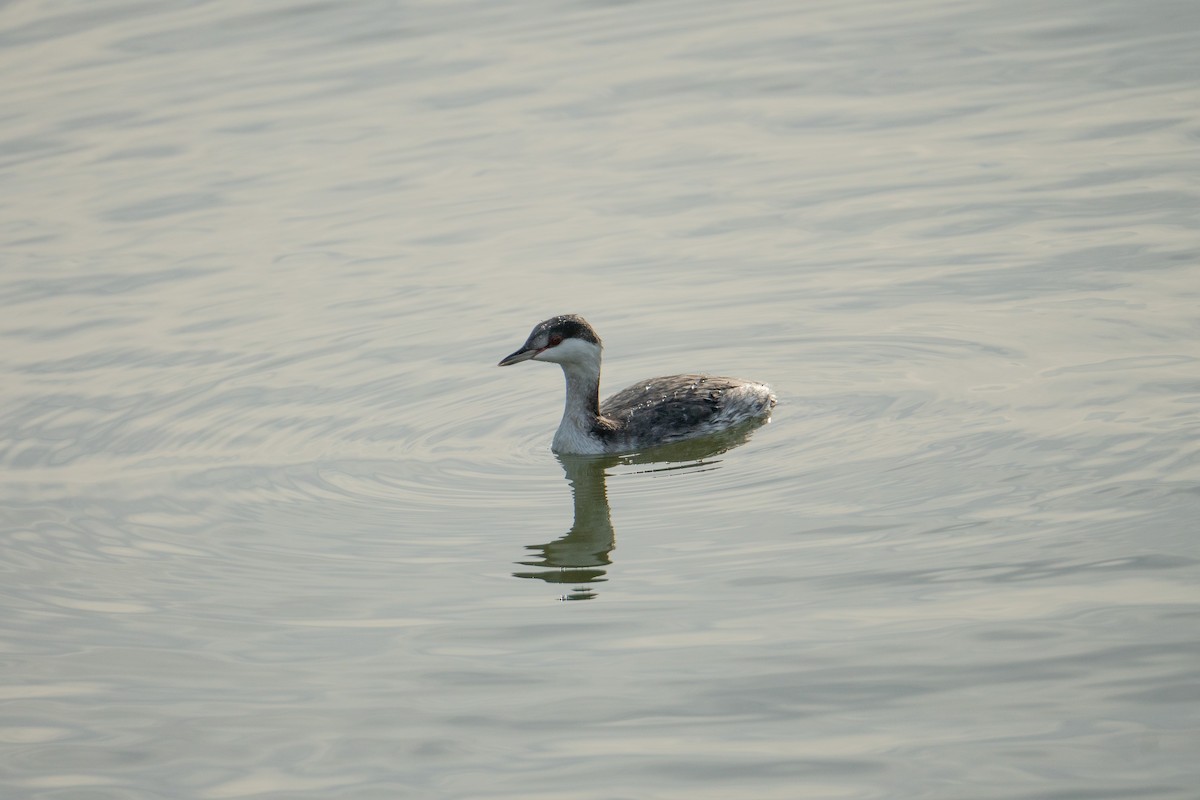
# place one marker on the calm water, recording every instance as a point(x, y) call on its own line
point(272, 524)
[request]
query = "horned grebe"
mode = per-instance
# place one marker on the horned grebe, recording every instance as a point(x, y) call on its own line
point(649, 413)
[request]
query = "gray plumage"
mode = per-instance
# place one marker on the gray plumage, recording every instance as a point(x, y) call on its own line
point(648, 413)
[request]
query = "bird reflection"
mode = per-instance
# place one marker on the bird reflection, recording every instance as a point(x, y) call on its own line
point(579, 557)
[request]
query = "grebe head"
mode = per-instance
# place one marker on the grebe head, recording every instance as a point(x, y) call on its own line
point(568, 340)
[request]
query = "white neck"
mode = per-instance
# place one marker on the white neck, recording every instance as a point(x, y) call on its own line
point(580, 363)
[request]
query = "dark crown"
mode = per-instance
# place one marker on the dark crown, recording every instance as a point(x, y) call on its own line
point(568, 326)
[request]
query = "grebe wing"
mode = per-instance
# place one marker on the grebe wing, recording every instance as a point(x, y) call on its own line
point(674, 402)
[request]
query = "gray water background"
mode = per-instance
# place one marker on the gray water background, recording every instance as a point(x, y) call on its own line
point(272, 525)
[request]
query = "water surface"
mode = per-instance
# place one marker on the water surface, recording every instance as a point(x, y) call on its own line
point(272, 525)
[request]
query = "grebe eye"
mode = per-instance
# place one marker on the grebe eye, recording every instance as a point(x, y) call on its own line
point(555, 340)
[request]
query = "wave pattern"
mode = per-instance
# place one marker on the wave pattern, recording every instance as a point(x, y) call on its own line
point(273, 525)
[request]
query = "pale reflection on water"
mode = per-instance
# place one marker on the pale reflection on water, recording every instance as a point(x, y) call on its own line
point(579, 555)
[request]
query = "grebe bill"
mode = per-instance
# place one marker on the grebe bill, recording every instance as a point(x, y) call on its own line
point(650, 412)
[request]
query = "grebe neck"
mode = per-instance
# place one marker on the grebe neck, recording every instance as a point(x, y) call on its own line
point(581, 426)
point(583, 391)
